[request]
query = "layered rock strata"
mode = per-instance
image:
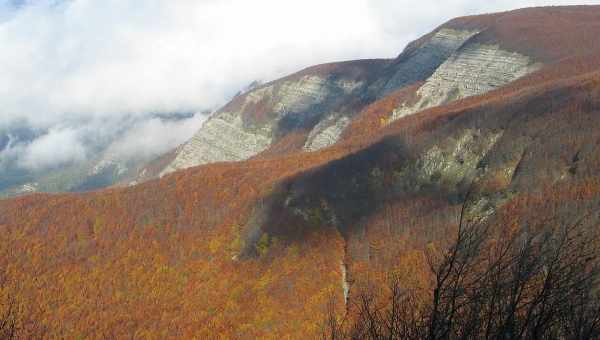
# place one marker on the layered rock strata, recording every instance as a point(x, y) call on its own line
point(418, 63)
point(473, 70)
point(221, 138)
point(452, 63)
point(251, 127)
point(327, 132)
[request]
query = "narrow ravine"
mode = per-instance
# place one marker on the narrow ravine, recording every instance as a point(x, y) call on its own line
point(345, 284)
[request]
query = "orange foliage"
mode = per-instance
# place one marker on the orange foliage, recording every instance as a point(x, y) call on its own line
point(159, 259)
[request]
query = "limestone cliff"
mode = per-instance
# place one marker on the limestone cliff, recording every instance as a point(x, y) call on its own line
point(320, 97)
point(327, 132)
point(421, 58)
point(472, 70)
point(260, 248)
point(322, 100)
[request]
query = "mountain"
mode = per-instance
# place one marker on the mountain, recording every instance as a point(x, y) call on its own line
point(106, 160)
point(313, 107)
point(321, 183)
point(310, 109)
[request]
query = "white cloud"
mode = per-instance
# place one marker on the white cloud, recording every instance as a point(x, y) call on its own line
point(90, 64)
point(152, 137)
point(101, 58)
point(58, 147)
point(98, 58)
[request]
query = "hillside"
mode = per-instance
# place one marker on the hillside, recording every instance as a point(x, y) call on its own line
point(104, 163)
point(461, 58)
point(345, 173)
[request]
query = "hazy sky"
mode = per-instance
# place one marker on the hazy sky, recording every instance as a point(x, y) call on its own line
point(70, 67)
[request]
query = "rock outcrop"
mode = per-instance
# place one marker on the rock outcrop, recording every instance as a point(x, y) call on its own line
point(327, 132)
point(472, 70)
point(221, 138)
point(262, 247)
point(313, 99)
point(458, 60)
point(450, 61)
point(421, 59)
point(253, 121)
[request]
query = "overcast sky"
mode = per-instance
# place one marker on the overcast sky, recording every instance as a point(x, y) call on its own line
point(67, 65)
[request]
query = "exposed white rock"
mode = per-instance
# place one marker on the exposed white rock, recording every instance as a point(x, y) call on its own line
point(420, 63)
point(327, 132)
point(459, 155)
point(27, 188)
point(474, 69)
point(345, 284)
point(257, 95)
point(303, 94)
point(140, 176)
point(221, 138)
point(454, 66)
point(298, 96)
point(348, 86)
point(225, 136)
point(109, 161)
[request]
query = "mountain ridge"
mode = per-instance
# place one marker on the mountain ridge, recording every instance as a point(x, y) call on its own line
point(257, 248)
point(469, 39)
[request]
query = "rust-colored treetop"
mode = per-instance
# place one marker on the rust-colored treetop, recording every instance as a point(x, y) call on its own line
point(257, 248)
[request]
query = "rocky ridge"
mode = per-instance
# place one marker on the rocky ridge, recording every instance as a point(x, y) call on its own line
point(327, 132)
point(421, 59)
point(255, 120)
point(259, 248)
point(453, 64)
point(473, 70)
point(222, 138)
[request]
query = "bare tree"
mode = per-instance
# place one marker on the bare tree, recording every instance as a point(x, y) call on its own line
point(535, 282)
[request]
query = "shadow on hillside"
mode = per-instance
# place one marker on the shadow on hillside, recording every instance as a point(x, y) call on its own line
point(342, 194)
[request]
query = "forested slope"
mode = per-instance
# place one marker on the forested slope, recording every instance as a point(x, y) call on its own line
point(257, 248)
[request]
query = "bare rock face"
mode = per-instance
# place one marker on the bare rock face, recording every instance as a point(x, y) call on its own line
point(452, 160)
point(449, 60)
point(473, 70)
point(251, 123)
point(299, 96)
point(221, 138)
point(416, 64)
point(327, 132)
point(254, 120)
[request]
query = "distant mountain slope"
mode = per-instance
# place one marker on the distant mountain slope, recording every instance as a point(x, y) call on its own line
point(464, 57)
point(106, 157)
point(257, 248)
point(322, 98)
